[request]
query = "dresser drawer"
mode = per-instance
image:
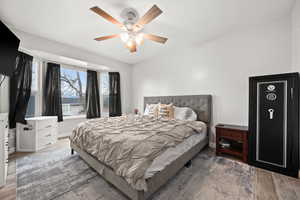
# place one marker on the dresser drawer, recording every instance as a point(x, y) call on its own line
point(5, 170)
point(46, 132)
point(45, 141)
point(46, 124)
point(46, 136)
point(6, 152)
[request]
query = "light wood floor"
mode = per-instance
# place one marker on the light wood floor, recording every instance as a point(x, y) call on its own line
point(8, 192)
point(269, 185)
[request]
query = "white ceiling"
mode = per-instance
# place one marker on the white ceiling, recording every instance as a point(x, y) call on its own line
point(184, 22)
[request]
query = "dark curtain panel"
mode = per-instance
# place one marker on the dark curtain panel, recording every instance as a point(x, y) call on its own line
point(52, 93)
point(20, 89)
point(114, 94)
point(92, 95)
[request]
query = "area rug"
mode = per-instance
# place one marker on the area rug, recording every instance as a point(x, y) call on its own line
point(54, 174)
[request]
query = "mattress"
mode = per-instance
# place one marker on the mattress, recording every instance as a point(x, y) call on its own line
point(171, 154)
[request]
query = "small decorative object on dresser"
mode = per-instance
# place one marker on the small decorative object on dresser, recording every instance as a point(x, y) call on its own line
point(232, 140)
point(3, 147)
point(37, 134)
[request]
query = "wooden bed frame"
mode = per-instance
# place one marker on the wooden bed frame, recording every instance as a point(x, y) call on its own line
point(202, 105)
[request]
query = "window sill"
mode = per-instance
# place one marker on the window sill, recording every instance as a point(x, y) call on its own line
point(74, 117)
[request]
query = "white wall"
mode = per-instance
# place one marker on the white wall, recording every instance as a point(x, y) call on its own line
point(296, 39)
point(32, 42)
point(220, 67)
point(296, 36)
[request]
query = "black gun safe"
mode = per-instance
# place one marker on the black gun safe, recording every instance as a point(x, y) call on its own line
point(274, 123)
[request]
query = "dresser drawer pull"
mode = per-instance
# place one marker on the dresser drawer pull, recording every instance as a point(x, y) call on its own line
point(49, 135)
point(28, 129)
point(48, 126)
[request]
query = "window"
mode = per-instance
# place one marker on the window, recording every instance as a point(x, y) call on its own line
point(73, 89)
point(73, 86)
point(104, 88)
point(32, 108)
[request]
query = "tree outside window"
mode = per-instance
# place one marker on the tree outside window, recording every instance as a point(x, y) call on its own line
point(73, 87)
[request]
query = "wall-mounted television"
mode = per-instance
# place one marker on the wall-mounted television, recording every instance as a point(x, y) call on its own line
point(9, 45)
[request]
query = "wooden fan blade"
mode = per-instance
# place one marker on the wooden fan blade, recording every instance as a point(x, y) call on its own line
point(156, 38)
point(107, 37)
point(149, 16)
point(106, 16)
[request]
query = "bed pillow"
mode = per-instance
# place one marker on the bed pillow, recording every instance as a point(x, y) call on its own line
point(166, 110)
point(151, 110)
point(184, 113)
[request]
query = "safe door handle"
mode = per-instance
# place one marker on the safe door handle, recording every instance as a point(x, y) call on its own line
point(271, 113)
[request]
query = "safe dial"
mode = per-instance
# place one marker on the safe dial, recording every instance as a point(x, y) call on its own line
point(271, 96)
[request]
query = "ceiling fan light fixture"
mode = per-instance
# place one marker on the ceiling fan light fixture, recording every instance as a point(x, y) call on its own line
point(124, 36)
point(139, 38)
point(130, 43)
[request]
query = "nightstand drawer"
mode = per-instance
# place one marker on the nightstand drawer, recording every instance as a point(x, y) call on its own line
point(230, 134)
point(225, 133)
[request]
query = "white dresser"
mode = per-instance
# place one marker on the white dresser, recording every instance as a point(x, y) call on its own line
point(3, 147)
point(39, 133)
point(11, 141)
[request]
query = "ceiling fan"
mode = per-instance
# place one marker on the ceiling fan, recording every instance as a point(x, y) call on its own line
point(132, 27)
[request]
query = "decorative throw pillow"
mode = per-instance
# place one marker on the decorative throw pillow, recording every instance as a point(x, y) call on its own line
point(166, 110)
point(151, 110)
point(184, 113)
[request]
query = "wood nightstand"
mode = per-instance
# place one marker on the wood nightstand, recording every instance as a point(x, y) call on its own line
point(236, 138)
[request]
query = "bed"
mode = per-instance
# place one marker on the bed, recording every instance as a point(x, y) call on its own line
point(174, 158)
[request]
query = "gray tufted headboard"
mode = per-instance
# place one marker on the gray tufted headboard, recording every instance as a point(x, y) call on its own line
point(201, 104)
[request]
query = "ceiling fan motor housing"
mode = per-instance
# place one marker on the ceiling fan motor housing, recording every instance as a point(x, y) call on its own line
point(130, 16)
